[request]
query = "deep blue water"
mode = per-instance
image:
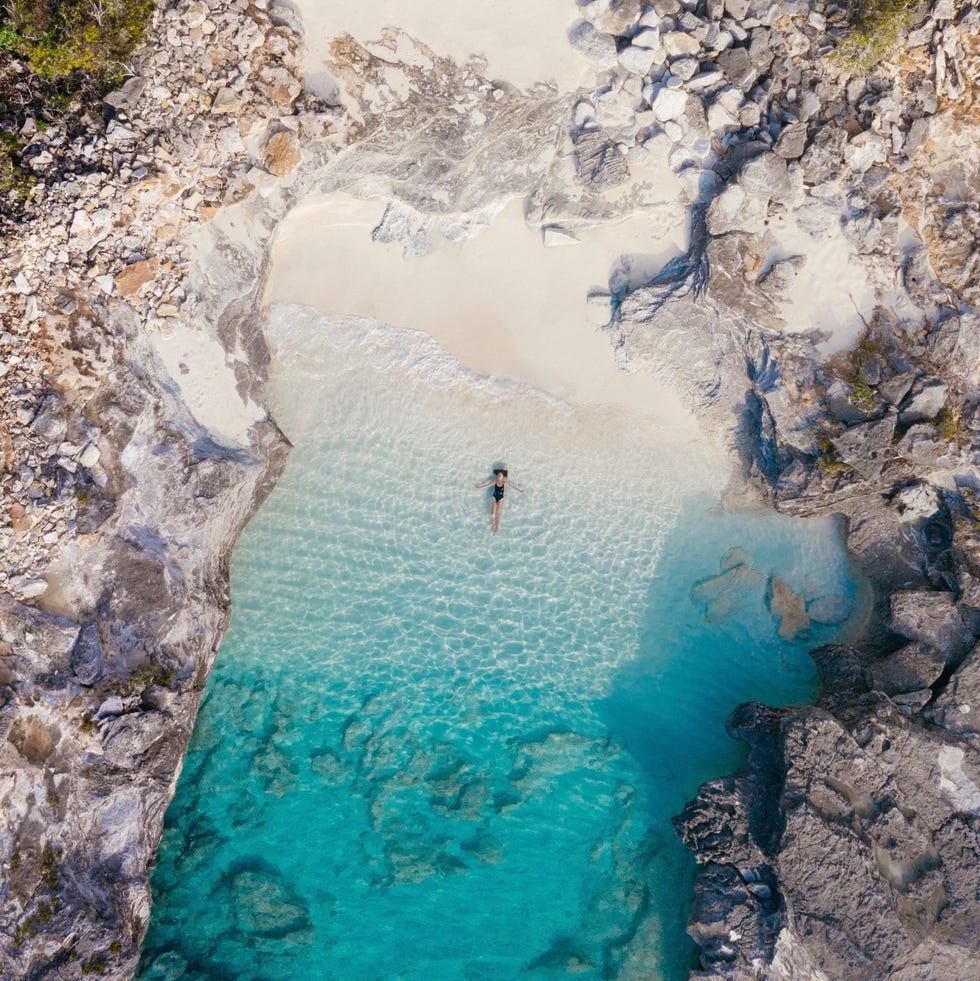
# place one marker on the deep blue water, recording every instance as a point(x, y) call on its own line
point(427, 753)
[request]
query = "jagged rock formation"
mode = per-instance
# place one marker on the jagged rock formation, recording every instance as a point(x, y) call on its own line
point(121, 499)
point(846, 847)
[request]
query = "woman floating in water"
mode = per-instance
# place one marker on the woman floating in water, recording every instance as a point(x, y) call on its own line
point(499, 481)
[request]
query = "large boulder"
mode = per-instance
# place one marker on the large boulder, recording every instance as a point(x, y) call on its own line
point(791, 142)
point(958, 707)
point(864, 447)
point(596, 47)
point(925, 401)
point(913, 668)
point(930, 617)
point(766, 176)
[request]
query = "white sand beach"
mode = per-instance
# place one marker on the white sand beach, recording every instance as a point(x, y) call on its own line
point(503, 304)
point(522, 42)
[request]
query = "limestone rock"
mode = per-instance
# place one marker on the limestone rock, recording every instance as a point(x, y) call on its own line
point(50, 421)
point(90, 228)
point(765, 176)
point(788, 609)
point(668, 103)
point(894, 389)
point(845, 405)
point(136, 275)
point(914, 667)
point(738, 68)
point(864, 447)
point(281, 154)
point(957, 709)
point(930, 617)
point(86, 655)
point(599, 161)
point(925, 401)
point(734, 211)
point(595, 46)
point(677, 43)
point(226, 102)
point(721, 597)
point(791, 142)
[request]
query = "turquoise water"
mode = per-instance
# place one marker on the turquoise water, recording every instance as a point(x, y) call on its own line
point(427, 753)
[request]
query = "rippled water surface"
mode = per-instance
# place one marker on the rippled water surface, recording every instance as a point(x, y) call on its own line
point(426, 753)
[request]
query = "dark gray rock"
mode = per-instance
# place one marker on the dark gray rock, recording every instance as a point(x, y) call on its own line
point(930, 617)
point(791, 142)
point(865, 447)
point(50, 421)
point(894, 389)
point(910, 669)
point(86, 655)
point(957, 709)
point(766, 176)
point(760, 50)
point(923, 446)
point(738, 68)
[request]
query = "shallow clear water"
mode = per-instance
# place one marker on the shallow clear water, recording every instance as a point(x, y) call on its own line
point(427, 753)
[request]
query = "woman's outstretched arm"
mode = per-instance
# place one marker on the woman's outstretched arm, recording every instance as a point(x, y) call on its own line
point(485, 483)
point(509, 484)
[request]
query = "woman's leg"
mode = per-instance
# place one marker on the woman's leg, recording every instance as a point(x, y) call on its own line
point(495, 522)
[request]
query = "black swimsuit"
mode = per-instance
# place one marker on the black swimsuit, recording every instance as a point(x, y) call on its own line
point(498, 492)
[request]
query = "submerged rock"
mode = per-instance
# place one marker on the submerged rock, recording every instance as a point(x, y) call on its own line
point(788, 609)
point(831, 609)
point(721, 597)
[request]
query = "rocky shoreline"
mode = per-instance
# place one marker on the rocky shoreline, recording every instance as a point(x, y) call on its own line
point(846, 847)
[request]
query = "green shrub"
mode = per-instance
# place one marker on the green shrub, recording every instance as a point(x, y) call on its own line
point(949, 422)
point(13, 177)
point(876, 27)
point(75, 39)
point(863, 395)
point(829, 460)
point(10, 40)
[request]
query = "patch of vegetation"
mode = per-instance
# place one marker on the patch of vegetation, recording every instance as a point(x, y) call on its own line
point(49, 867)
point(949, 422)
point(15, 862)
point(13, 176)
point(75, 42)
point(863, 396)
point(829, 460)
point(94, 965)
point(150, 674)
point(876, 28)
point(31, 926)
point(57, 55)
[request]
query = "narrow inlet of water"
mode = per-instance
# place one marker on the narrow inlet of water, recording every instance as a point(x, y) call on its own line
point(433, 754)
